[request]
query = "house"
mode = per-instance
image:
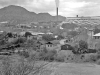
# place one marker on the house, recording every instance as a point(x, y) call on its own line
point(96, 36)
point(37, 35)
point(50, 45)
point(66, 47)
point(93, 41)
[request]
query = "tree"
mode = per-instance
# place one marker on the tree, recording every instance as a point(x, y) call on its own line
point(82, 47)
point(75, 49)
point(10, 34)
point(73, 33)
point(60, 37)
point(48, 37)
point(83, 44)
point(19, 40)
point(96, 30)
point(27, 34)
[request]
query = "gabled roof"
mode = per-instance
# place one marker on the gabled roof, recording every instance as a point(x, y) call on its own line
point(55, 42)
point(98, 34)
point(49, 43)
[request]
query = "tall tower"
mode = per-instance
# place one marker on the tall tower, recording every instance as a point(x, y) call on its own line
point(57, 8)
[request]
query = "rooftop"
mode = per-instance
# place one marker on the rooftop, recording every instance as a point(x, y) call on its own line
point(98, 34)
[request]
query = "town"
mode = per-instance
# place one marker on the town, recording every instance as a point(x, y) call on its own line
point(40, 43)
point(50, 39)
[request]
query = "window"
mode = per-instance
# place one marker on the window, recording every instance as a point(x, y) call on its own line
point(50, 45)
point(95, 37)
point(98, 37)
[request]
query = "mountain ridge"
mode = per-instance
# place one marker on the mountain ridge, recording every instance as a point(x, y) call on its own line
point(20, 15)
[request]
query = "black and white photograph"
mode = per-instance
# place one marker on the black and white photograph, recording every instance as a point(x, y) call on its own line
point(49, 37)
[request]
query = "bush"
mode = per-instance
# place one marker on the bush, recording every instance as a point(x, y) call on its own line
point(50, 55)
point(27, 34)
point(24, 53)
point(98, 62)
point(47, 37)
point(20, 67)
point(19, 40)
point(81, 47)
point(60, 58)
point(47, 55)
point(91, 57)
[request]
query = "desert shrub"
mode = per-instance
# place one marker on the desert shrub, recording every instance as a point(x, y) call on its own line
point(20, 67)
point(19, 40)
point(24, 53)
point(98, 56)
point(98, 62)
point(50, 55)
point(2, 42)
point(60, 58)
point(27, 34)
point(30, 44)
point(91, 57)
point(47, 55)
point(6, 66)
point(81, 47)
point(47, 37)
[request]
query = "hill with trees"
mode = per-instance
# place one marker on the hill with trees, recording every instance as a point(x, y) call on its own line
point(17, 14)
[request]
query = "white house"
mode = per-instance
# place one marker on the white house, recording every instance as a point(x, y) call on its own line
point(96, 36)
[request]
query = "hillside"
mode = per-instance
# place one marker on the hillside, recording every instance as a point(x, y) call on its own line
point(17, 14)
point(69, 25)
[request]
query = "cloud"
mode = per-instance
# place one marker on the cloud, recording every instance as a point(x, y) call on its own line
point(42, 5)
point(71, 8)
point(67, 7)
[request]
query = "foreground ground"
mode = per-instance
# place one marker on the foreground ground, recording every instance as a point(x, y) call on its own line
point(74, 69)
point(54, 68)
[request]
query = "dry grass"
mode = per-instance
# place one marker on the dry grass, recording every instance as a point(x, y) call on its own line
point(9, 66)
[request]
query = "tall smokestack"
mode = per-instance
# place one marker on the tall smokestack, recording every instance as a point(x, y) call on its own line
point(57, 8)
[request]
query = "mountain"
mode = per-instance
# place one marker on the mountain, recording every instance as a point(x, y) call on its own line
point(17, 14)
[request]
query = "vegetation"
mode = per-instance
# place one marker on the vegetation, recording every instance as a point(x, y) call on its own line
point(25, 47)
point(73, 33)
point(96, 30)
point(48, 37)
point(27, 34)
point(82, 47)
point(21, 67)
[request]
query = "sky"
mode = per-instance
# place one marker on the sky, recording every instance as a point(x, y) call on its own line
point(67, 8)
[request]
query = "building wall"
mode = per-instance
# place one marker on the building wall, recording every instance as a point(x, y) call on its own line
point(50, 46)
point(96, 37)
